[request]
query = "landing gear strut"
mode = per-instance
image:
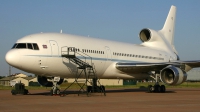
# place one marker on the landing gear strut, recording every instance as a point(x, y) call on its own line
point(157, 87)
point(55, 90)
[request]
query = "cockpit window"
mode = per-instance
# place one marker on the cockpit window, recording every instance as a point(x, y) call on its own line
point(29, 45)
point(14, 46)
point(33, 46)
point(21, 45)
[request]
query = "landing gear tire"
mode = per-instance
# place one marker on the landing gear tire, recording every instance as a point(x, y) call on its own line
point(57, 92)
point(157, 88)
point(151, 88)
point(162, 89)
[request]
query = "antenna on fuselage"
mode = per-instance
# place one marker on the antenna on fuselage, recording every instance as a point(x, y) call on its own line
point(61, 31)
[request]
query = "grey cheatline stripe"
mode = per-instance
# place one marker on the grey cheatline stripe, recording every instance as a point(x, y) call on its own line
point(93, 58)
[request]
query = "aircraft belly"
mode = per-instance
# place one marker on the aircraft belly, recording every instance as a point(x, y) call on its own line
point(112, 73)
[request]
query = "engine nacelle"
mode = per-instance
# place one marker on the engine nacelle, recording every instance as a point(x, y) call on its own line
point(44, 82)
point(149, 35)
point(172, 75)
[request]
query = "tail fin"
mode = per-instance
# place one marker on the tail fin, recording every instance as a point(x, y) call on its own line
point(169, 27)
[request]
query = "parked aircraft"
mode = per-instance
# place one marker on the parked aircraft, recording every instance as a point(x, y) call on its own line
point(58, 56)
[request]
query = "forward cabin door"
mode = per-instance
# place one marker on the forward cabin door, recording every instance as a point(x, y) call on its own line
point(54, 48)
point(55, 59)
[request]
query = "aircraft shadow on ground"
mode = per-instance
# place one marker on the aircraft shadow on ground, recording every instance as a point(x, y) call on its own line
point(40, 93)
point(141, 89)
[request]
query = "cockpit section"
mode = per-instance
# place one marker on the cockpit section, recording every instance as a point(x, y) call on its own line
point(32, 46)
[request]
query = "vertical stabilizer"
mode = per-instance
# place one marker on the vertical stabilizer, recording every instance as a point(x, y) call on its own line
point(169, 27)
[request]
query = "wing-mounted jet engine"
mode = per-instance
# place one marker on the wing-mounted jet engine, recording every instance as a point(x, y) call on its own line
point(173, 75)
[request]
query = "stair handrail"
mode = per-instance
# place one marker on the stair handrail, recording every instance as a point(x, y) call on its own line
point(76, 52)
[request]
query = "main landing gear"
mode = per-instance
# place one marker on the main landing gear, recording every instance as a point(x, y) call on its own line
point(156, 88)
point(55, 90)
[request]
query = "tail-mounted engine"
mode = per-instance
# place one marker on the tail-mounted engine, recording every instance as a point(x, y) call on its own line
point(44, 81)
point(149, 35)
point(173, 76)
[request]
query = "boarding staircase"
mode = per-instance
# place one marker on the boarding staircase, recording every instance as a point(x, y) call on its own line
point(84, 63)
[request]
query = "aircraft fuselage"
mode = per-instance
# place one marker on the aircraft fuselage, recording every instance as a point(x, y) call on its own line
point(47, 60)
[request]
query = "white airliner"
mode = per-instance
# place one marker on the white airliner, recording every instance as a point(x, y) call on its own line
point(51, 55)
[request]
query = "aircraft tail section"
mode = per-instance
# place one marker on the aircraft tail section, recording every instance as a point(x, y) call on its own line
point(169, 27)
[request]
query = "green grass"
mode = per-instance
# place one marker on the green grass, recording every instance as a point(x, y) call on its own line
point(139, 85)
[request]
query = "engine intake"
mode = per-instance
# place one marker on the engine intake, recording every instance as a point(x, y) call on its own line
point(145, 35)
point(173, 76)
point(149, 35)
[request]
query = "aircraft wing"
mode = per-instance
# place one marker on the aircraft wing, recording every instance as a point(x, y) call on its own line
point(146, 67)
point(189, 64)
point(193, 64)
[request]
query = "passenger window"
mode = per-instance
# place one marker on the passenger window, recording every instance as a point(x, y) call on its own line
point(35, 46)
point(29, 46)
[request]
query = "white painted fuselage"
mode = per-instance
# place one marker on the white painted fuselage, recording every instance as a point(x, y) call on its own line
point(47, 61)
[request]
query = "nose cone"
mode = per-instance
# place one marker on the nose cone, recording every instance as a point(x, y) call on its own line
point(12, 58)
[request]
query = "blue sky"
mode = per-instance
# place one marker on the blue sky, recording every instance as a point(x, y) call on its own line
point(119, 20)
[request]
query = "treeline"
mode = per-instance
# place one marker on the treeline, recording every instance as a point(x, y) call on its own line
point(2, 77)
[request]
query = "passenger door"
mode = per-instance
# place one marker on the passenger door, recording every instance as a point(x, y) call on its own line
point(54, 48)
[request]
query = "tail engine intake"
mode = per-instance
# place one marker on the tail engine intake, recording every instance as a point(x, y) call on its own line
point(149, 35)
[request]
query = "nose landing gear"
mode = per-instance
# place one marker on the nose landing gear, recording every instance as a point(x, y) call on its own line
point(55, 90)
